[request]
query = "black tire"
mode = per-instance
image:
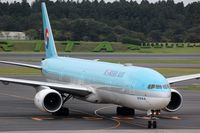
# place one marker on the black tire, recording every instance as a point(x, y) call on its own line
point(149, 124)
point(124, 111)
point(154, 124)
point(118, 111)
point(61, 112)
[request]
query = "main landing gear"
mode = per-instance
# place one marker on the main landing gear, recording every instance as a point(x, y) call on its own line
point(152, 123)
point(124, 111)
point(63, 111)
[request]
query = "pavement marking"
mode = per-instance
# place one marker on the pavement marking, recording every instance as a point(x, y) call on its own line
point(122, 118)
point(142, 117)
point(129, 120)
point(118, 121)
point(92, 118)
point(170, 117)
point(15, 96)
point(36, 119)
point(50, 118)
point(115, 120)
point(92, 115)
point(100, 117)
point(135, 124)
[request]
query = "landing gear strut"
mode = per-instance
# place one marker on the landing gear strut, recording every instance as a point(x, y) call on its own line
point(66, 98)
point(152, 123)
point(124, 111)
point(63, 111)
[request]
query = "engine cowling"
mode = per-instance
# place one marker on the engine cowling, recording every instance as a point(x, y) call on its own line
point(48, 100)
point(175, 103)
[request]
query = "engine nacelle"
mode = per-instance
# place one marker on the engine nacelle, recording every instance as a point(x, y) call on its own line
point(175, 103)
point(48, 100)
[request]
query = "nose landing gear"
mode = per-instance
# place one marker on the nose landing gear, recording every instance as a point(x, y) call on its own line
point(152, 123)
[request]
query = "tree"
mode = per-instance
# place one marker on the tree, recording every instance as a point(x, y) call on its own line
point(155, 35)
point(32, 34)
point(111, 21)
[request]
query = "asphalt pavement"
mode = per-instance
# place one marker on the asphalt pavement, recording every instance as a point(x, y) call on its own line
point(18, 113)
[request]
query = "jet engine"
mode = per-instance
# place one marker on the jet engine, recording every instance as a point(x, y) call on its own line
point(48, 100)
point(175, 103)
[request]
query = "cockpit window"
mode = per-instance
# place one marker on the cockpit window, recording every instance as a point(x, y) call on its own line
point(151, 86)
point(157, 86)
point(166, 86)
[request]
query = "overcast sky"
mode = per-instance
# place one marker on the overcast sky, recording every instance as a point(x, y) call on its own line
point(185, 1)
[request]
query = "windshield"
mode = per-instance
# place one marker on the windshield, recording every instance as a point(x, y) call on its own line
point(157, 86)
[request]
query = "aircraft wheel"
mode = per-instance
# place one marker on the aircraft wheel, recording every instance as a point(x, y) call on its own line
point(154, 124)
point(62, 112)
point(124, 111)
point(149, 124)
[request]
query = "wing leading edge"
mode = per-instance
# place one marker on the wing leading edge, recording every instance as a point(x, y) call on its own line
point(67, 88)
point(183, 78)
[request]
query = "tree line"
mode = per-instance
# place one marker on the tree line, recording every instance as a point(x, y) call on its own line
point(163, 21)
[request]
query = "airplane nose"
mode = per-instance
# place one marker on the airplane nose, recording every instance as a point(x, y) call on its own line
point(161, 100)
point(165, 94)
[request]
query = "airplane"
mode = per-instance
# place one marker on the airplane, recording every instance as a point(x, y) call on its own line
point(130, 87)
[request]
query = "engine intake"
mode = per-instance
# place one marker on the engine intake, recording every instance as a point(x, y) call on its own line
point(48, 100)
point(175, 103)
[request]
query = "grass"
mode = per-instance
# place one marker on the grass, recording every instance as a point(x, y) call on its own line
point(29, 46)
point(18, 71)
point(156, 61)
point(185, 50)
point(177, 71)
point(135, 61)
point(191, 87)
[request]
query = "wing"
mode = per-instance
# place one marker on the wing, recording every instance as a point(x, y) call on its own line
point(21, 64)
point(67, 88)
point(182, 78)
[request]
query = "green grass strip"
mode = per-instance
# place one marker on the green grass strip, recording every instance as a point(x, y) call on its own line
point(191, 87)
point(156, 61)
point(177, 71)
point(18, 71)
